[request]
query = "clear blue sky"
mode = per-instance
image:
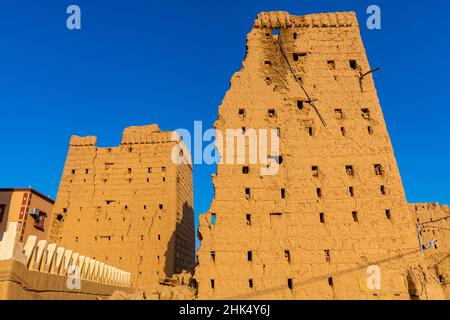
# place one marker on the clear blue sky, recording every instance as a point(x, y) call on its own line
point(170, 62)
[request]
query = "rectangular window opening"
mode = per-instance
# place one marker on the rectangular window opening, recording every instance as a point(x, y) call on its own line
point(378, 170)
point(249, 256)
point(349, 170)
point(383, 190)
point(40, 220)
point(388, 215)
point(250, 283)
point(351, 191)
point(247, 193)
point(245, 170)
point(315, 171)
point(353, 64)
point(327, 256)
point(248, 218)
point(213, 219)
point(330, 282)
point(242, 112)
point(213, 256)
point(322, 218)
point(271, 113)
point(319, 192)
point(290, 284)
point(365, 113)
point(355, 216)
point(287, 255)
point(213, 284)
point(300, 104)
point(283, 193)
point(331, 64)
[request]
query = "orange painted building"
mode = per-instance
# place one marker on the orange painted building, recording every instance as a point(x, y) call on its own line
point(28, 207)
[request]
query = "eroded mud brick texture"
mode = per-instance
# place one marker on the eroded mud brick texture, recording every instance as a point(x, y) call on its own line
point(337, 204)
point(129, 206)
point(434, 223)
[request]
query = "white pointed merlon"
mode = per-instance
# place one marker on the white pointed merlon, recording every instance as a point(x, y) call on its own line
point(39, 253)
point(57, 261)
point(66, 262)
point(49, 254)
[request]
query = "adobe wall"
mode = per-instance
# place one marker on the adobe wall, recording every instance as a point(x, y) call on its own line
point(434, 224)
point(312, 230)
point(129, 206)
point(18, 283)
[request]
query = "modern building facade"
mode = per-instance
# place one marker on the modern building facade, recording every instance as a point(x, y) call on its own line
point(29, 208)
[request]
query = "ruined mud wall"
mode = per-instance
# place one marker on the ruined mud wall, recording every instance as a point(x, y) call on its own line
point(434, 223)
point(129, 206)
point(337, 204)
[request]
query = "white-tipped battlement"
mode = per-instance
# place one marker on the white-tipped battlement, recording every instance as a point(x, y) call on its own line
point(40, 256)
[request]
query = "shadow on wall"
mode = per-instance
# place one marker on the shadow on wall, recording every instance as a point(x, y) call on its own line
point(180, 253)
point(4, 218)
point(412, 285)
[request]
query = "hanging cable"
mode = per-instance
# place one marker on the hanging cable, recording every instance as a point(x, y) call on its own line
point(286, 56)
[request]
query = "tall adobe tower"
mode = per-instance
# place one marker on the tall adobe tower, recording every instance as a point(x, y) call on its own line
point(129, 206)
point(337, 204)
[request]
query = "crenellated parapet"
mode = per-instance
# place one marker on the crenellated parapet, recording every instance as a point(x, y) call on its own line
point(89, 141)
point(40, 256)
point(149, 134)
point(282, 19)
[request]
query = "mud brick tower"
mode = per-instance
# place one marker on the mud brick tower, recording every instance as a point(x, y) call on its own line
point(129, 206)
point(337, 204)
